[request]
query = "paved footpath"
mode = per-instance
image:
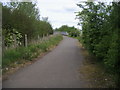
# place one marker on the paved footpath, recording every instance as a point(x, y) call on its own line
point(57, 69)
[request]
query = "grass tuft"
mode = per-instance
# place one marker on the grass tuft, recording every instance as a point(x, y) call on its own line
point(28, 53)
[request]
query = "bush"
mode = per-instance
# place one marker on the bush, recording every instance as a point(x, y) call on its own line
point(112, 53)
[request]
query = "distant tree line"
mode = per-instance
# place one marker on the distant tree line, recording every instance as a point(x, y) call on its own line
point(100, 33)
point(20, 18)
point(73, 32)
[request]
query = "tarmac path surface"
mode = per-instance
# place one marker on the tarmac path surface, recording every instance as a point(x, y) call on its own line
point(57, 69)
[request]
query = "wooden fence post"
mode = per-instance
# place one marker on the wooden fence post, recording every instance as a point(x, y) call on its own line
point(38, 39)
point(15, 42)
point(47, 36)
point(26, 42)
point(3, 45)
point(43, 37)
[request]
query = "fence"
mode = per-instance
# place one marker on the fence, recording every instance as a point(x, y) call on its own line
point(25, 41)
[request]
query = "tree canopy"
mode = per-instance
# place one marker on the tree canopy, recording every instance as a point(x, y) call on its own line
point(74, 32)
point(23, 17)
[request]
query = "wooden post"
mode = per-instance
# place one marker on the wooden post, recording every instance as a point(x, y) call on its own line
point(15, 42)
point(43, 37)
point(38, 37)
point(47, 36)
point(26, 40)
point(3, 45)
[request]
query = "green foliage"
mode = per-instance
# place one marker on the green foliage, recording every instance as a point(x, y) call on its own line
point(30, 52)
point(10, 36)
point(73, 32)
point(24, 17)
point(111, 59)
point(100, 30)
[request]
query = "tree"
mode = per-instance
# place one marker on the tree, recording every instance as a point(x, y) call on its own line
point(100, 27)
point(74, 32)
point(24, 17)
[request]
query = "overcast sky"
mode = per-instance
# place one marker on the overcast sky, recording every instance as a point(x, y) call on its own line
point(59, 12)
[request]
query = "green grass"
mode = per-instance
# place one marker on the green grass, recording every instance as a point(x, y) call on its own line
point(30, 52)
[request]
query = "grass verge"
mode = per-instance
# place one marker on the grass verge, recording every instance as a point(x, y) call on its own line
point(95, 72)
point(15, 58)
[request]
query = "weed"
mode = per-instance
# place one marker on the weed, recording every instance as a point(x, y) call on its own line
point(30, 52)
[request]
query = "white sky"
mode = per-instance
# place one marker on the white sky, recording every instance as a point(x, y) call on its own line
point(59, 12)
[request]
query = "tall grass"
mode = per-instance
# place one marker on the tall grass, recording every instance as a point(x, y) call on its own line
point(30, 52)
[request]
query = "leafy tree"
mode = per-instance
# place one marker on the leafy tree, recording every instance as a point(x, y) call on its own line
point(74, 32)
point(25, 18)
point(100, 30)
